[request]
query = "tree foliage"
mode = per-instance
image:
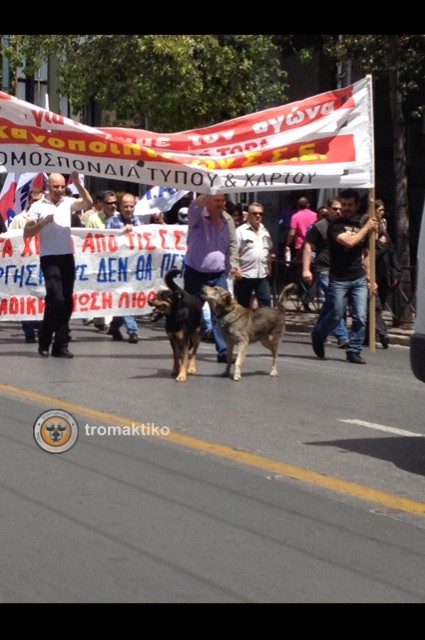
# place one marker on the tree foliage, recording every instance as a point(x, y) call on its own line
point(373, 54)
point(168, 82)
point(400, 59)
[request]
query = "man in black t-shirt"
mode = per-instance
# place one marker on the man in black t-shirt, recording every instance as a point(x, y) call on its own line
point(317, 240)
point(348, 277)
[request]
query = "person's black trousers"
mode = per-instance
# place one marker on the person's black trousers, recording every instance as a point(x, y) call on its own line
point(59, 278)
point(243, 289)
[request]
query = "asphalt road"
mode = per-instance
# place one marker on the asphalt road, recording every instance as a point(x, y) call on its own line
point(304, 488)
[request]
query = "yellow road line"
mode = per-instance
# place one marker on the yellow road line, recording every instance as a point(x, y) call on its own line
point(238, 455)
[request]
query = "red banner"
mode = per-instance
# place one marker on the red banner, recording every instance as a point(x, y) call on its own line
point(322, 141)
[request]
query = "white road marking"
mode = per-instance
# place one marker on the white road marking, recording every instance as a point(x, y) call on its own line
point(383, 427)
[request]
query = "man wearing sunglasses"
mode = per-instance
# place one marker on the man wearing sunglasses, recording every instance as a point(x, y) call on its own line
point(98, 220)
point(255, 259)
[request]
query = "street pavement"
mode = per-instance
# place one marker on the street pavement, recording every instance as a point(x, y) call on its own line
point(303, 488)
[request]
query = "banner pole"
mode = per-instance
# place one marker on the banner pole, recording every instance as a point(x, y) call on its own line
point(372, 274)
point(372, 236)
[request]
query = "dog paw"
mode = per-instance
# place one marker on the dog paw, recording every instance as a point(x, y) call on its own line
point(273, 374)
point(237, 376)
point(181, 378)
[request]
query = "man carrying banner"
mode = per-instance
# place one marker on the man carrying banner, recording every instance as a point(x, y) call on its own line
point(348, 277)
point(50, 217)
point(212, 253)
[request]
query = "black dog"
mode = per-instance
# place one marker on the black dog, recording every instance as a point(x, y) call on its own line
point(183, 315)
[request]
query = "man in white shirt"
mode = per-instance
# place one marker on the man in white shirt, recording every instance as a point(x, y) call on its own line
point(255, 259)
point(50, 218)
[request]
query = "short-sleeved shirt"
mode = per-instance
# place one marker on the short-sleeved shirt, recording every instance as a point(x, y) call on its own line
point(317, 234)
point(55, 238)
point(345, 262)
point(97, 220)
point(254, 248)
point(300, 221)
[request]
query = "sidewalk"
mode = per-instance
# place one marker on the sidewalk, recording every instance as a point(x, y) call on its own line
point(303, 322)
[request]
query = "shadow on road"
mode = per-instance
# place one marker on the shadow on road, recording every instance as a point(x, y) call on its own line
point(407, 453)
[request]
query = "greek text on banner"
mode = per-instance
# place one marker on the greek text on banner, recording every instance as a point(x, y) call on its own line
point(322, 141)
point(116, 272)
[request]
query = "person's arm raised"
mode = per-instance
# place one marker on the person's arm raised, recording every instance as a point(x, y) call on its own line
point(85, 201)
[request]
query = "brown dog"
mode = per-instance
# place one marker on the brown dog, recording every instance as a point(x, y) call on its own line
point(241, 326)
point(183, 314)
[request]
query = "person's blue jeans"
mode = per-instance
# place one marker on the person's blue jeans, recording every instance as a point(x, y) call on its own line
point(193, 283)
point(129, 321)
point(322, 279)
point(206, 325)
point(29, 327)
point(341, 294)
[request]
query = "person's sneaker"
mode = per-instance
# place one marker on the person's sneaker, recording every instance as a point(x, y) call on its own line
point(30, 339)
point(133, 338)
point(62, 353)
point(355, 358)
point(116, 334)
point(342, 343)
point(318, 345)
point(101, 326)
point(384, 341)
point(43, 352)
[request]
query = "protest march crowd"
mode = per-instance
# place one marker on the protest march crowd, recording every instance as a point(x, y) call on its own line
point(102, 258)
point(213, 241)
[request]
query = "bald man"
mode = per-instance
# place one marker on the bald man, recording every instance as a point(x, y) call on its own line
point(50, 218)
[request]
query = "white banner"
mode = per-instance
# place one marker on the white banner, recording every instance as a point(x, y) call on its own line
point(116, 272)
point(320, 142)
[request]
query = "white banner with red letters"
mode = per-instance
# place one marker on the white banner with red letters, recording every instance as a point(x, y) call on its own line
point(322, 141)
point(116, 272)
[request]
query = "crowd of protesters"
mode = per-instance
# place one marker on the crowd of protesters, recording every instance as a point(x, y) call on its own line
point(329, 245)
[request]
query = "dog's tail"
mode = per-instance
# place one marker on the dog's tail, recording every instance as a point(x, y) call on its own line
point(169, 279)
point(284, 296)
